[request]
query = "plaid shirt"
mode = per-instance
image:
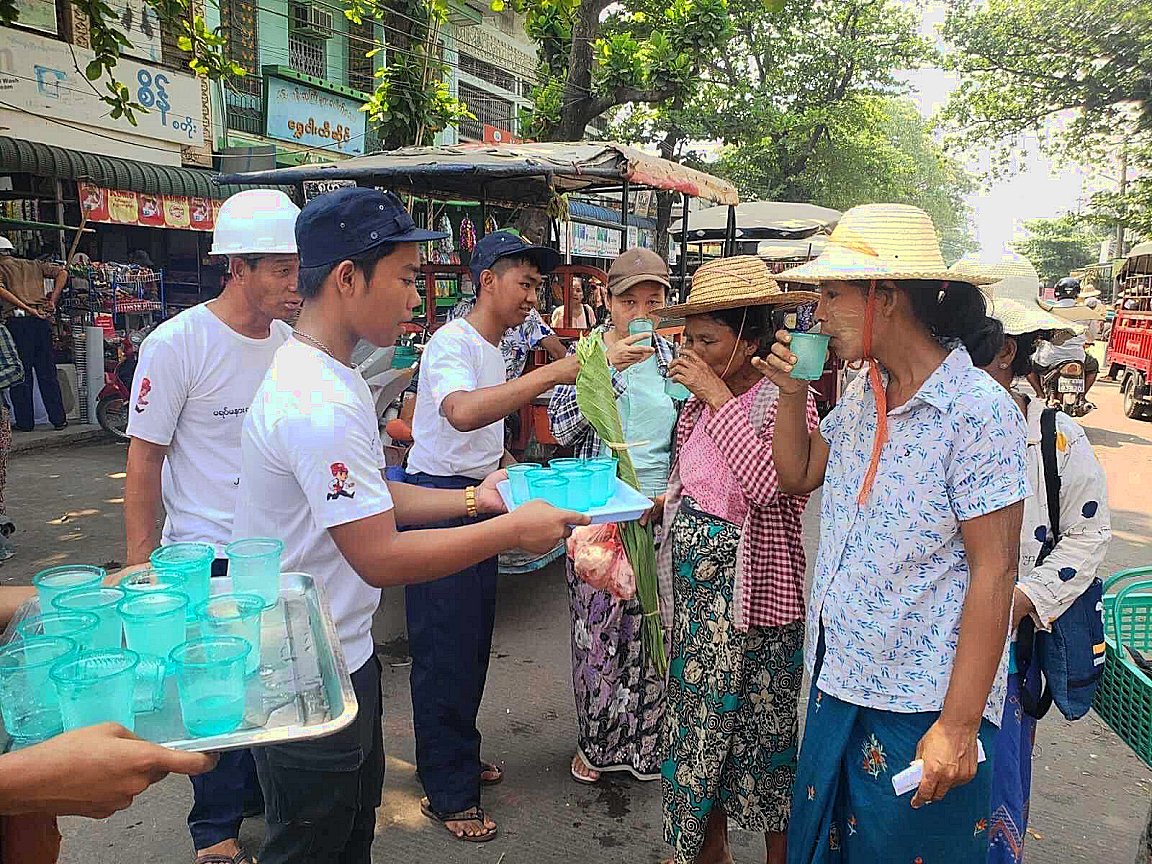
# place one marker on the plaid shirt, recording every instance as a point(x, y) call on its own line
point(770, 569)
point(11, 369)
point(568, 424)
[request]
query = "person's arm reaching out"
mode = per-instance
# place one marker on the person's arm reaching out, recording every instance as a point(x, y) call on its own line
point(469, 410)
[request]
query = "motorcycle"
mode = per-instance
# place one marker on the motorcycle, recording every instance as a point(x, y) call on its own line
point(115, 398)
point(1063, 388)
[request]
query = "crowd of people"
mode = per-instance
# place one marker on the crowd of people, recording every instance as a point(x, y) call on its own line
point(937, 535)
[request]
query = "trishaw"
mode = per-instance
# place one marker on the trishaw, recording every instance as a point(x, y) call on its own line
point(531, 181)
point(1128, 358)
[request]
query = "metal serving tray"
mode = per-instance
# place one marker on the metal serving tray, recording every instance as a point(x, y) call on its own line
point(302, 690)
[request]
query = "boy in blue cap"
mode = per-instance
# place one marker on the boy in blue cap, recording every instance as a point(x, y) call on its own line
point(313, 420)
point(458, 433)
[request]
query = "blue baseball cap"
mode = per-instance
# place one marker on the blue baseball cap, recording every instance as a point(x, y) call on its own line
point(502, 244)
point(348, 222)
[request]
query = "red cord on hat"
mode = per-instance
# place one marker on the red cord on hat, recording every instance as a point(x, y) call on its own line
point(880, 395)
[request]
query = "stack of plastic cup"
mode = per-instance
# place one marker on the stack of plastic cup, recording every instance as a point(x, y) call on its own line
point(191, 562)
point(149, 579)
point(579, 488)
point(97, 687)
point(28, 700)
point(235, 615)
point(254, 566)
point(55, 581)
point(102, 603)
point(210, 678)
point(155, 622)
point(80, 627)
point(603, 480)
point(550, 486)
point(518, 480)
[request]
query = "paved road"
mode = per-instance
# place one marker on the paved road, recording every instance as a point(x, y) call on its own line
point(1091, 794)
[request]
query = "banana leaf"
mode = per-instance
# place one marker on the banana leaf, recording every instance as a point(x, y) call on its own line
point(597, 401)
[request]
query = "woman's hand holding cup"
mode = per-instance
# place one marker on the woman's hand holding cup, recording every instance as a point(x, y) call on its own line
point(778, 365)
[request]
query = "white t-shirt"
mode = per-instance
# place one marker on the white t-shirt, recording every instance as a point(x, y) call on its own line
point(456, 358)
point(311, 460)
point(193, 385)
point(1048, 355)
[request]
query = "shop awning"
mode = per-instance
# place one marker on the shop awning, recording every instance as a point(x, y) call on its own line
point(19, 156)
point(579, 210)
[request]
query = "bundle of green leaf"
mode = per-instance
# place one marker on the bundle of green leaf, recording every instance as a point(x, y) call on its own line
point(597, 400)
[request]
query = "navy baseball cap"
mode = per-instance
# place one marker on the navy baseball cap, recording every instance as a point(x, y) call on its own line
point(348, 222)
point(501, 244)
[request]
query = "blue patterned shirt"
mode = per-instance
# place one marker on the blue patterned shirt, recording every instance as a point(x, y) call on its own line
point(892, 575)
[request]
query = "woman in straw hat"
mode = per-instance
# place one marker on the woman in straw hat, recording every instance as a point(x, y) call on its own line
point(924, 476)
point(1054, 571)
point(619, 697)
point(735, 559)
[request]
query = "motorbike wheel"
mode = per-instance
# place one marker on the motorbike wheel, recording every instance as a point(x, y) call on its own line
point(112, 415)
point(1134, 409)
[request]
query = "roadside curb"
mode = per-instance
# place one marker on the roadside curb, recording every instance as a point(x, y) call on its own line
point(49, 439)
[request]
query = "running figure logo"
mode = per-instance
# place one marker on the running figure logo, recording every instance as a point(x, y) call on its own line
point(341, 486)
point(142, 396)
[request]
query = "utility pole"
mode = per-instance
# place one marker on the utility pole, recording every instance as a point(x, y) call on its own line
point(1123, 190)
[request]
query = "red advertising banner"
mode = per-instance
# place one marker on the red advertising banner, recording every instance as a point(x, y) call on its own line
point(149, 211)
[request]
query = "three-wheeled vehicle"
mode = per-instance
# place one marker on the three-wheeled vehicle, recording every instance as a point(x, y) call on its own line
point(1129, 355)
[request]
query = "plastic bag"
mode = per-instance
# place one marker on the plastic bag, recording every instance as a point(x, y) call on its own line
point(599, 560)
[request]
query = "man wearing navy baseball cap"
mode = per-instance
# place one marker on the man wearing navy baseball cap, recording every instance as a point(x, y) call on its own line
point(458, 432)
point(312, 474)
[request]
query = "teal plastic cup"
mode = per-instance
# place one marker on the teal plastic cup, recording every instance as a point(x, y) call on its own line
point(102, 603)
point(811, 350)
point(603, 480)
point(641, 325)
point(565, 464)
point(254, 565)
point(210, 680)
point(54, 581)
point(97, 687)
point(155, 622)
point(579, 488)
point(535, 475)
point(149, 579)
point(518, 480)
point(191, 562)
point(80, 627)
point(553, 489)
point(676, 391)
point(28, 700)
point(235, 615)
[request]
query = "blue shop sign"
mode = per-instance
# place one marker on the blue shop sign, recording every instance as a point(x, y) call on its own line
point(314, 118)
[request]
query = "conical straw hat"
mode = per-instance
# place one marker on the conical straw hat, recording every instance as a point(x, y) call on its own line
point(880, 241)
point(1011, 265)
point(1019, 318)
point(729, 283)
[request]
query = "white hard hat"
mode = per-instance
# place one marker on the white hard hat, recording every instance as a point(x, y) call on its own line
point(256, 222)
point(6, 247)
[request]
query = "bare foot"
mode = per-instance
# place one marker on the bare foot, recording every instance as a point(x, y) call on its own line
point(583, 771)
point(471, 827)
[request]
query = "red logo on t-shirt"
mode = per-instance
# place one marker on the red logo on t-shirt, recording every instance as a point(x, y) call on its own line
point(341, 486)
point(142, 396)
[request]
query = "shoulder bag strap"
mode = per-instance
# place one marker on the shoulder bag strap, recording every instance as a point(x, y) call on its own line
point(1051, 472)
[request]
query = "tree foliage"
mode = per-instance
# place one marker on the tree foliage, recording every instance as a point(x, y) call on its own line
point(1058, 246)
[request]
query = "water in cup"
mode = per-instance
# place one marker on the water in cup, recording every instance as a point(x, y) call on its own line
point(102, 603)
point(210, 679)
point(236, 615)
point(518, 480)
point(54, 581)
point(97, 687)
point(190, 561)
point(77, 626)
point(28, 700)
point(254, 565)
point(154, 621)
point(811, 350)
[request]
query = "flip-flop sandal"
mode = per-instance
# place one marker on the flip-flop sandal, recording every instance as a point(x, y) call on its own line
point(489, 768)
point(474, 814)
point(241, 857)
point(580, 778)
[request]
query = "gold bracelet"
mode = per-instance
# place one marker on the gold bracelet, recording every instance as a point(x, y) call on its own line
point(470, 502)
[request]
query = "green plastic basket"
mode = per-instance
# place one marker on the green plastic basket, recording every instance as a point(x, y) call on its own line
point(1124, 697)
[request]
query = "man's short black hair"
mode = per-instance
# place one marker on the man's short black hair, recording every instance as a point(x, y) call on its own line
point(507, 262)
point(312, 278)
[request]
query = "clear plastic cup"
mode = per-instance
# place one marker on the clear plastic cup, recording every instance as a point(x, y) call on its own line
point(254, 566)
point(641, 325)
point(150, 579)
point(210, 679)
point(811, 350)
point(102, 603)
point(551, 488)
point(518, 480)
point(235, 615)
point(190, 561)
point(603, 480)
point(676, 391)
point(97, 687)
point(77, 626)
point(155, 622)
point(28, 700)
point(579, 488)
point(54, 581)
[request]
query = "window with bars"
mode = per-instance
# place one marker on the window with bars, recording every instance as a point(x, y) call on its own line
point(361, 40)
point(243, 96)
point(308, 56)
point(489, 110)
point(488, 72)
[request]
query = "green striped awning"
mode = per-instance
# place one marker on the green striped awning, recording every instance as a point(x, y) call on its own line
point(19, 156)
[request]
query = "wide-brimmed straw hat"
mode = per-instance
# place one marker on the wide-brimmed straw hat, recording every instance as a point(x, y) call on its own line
point(730, 283)
point(881, 241)
point(1011, 265)
point(1019, 318)
point(1013, 300)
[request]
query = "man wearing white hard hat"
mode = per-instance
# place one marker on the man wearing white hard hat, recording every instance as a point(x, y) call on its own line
point(197, 375)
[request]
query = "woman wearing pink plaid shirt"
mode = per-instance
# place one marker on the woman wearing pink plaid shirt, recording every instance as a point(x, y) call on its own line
point(736, 563)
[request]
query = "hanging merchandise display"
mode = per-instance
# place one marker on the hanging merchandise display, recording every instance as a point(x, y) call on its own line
point(467, 234)
point(444, 250)
point(491, 226)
